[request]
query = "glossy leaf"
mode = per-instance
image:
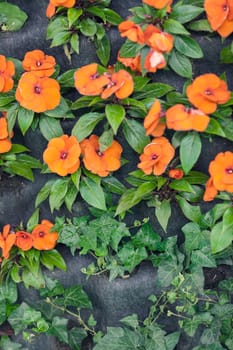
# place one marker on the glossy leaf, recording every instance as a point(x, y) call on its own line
point(87, 27)
point(103, 49)
point(50, 127)
point(163, 213)
point(222, 233)
point(190, 149)
point(12, 17)
point(25, 119)
point(57, 193)
point(174, 27)
point(115, 115)
point(188, 46)
point(180, 64)
point(86, 124)
point(92, 193)
point(135, 134)
point(185, 13)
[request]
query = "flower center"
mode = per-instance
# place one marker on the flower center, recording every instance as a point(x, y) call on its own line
point(41, 234)
point(99, 153)
point(37, 89)
point(225, 7)
point(24, 236)
point(154, 156)
point(38, 63)
point(63, 155)
point(94, 76)
point(208, 92)
point(229, 170)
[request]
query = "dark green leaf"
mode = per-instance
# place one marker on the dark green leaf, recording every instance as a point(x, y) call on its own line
point(25, 119)
point(163, 213)
point(76, 336)
point(174, 27)
point(185, 13)
point(92, 193)
point(115, 115)
point(44, 193)
point(180, 64)
point(57, 193)
point(52, 259)
point(130, 49)
point(86, 124)
point(67, 78)
point(200, 25)
point(135, 134)
point(188, 46)
point(112, 16)
point(103, 49)
point(50, 127)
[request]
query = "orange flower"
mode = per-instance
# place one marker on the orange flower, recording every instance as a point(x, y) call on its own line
point(39, 63)
point(88, 81)
point(176, 174)
point(38, 94)
point(210, 191)
point(131, 31)
point(121, 84)
point(133, 63)
point(7, 71)
point(43, 238)
point(220, 16)
point(156, 156)
point(159, 4)
point(51, 9)
point(24, 240)
point(62, 155)
point(221, 171)
point(152, 122)
point(5, 143)
point(100, 163)
point(207, 91)
point(154, 60)
point(182, 118)
point(7, 240)
point(158, 40)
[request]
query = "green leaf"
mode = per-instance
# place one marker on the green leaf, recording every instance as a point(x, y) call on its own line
point(115, 115)
point(92, 193)
point(62, 111)
point(130, 49)
point(112, 16)
point(74, 42)
point(60, 38)
point(154, 90)
point(203, 258)
point(50, 127)
point(131, 321)
point(222, 233)
point(52, 259)
point(25, 119)
point(75, 296)
point(96, 11)
point(71, 195)
point(185, 13)
point(20, 169)
point(226, 54)
point(44, 192)
point(194, 237)
point(172, 340)
point(190, 149)
point(135, 134)
point(200, 25)
point(23, 316)
point(174, 27)
point(105, 140)
point(86, 124)
point(146, 237)
point(67, 78)
point(181, 186)
point(191, 212)
point(103, 49)
point(76, 336)
point(215, 128)
point(59, 328)
point(119, 338)
point(8, 291)
point(6, 99)
point(57, 25)
point(33, 220)
point(87, 27)
point(113, 185)
point(33, 278)
point(188, 46)
point(57, 193)
point(163, 213)
point(73, 15)
point(180, 64)
point(12, 18)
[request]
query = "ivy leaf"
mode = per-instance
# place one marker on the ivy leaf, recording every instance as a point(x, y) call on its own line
point(190, 149)
point(92, 193)
point(76, 336)
point(115, 115)
point(59, 328)
point(75, 296)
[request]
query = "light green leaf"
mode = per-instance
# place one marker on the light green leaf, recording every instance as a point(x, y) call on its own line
point(25, 119)
point(190, 149)
point(174, 27)
point(88, 27)
point(222, 233)
point(73, 15)
point(12, 18)
point(191, 212)
point(57, 193)
point(33, 220)
point(115, 115)
point(163, 213)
